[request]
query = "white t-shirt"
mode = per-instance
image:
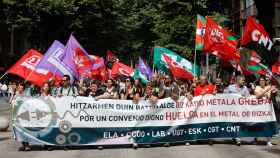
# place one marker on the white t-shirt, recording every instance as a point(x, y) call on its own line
point(4, 87)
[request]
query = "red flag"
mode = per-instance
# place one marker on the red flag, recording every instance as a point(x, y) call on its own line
point(176, 70)
point(255, 32)
point(121, 69)
point(220, 42)
point(25, 67)
point(98, 71)
point(103, 73)
point(276, 67)
point(83, 62)
point(100, 74)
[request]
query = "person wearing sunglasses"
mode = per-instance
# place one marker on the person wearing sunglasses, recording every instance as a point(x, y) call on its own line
point(66, 88)
point(130, 92)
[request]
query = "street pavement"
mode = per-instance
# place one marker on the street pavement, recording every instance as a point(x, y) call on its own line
point(220, 149)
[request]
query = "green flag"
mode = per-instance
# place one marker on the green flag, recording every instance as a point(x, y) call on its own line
point(160, 63)
point(199, 33)
point(138, 75)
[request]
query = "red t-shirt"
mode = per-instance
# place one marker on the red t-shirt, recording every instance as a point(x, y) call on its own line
point(208, 89)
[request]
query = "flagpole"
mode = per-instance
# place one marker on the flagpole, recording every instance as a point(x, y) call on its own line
point(4, 75)
point(207, 65)
point(194, 61)
point(25, 80)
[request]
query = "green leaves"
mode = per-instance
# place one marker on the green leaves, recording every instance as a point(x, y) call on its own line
point(131, 27)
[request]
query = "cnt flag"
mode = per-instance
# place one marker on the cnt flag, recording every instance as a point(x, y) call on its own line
point(220, 42)
point(26, 68)
point(255, 32)
point(77, 59)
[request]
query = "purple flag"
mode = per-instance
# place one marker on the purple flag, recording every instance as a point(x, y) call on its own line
point(53, 60)
point(76, 58)
point(144, 69)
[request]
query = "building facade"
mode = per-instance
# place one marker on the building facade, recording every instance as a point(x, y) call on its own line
point(270, 9)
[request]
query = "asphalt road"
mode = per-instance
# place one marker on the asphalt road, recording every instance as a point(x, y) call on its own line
point(9, 149)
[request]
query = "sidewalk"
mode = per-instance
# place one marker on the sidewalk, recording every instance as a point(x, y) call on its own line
point(276, 140)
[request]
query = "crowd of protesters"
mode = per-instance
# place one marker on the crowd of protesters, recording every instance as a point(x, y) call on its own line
point(160, 86)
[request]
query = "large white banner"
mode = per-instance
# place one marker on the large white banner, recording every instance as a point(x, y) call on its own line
point(209, 116)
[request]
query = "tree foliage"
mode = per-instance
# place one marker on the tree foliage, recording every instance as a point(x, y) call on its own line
point(127, 26)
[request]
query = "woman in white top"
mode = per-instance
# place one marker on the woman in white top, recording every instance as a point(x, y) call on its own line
point(46, 90)
point(20, 93)
point(263, 90)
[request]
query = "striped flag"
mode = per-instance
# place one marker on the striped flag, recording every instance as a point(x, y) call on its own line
point(200, 31)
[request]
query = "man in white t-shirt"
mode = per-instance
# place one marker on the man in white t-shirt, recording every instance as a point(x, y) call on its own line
point(4, 89)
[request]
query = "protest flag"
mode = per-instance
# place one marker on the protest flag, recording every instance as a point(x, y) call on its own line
point(53, 61)
point(77, 59)
point(177, 71)
point(121, 69)
point(250, 63)
point(25, 67)
point(276, 67)
point(97, 62)
point(256, 38)
point(255, 32)
point(161, 64)
point(220, 42)
point(98, 70)
point(137, 74)
point(144, 69)
point(200, 31)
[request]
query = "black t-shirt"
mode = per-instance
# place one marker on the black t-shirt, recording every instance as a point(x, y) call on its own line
point(96, 94)
point(131, 93)
point(220, 88)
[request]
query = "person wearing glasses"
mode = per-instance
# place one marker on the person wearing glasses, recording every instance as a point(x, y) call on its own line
point(66, 88)
point(130, 92)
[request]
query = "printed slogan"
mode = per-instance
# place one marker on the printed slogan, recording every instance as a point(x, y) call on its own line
point(124, 121)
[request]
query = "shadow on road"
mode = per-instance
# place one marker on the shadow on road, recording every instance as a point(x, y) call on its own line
point(104, 147)
point(4, 138)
